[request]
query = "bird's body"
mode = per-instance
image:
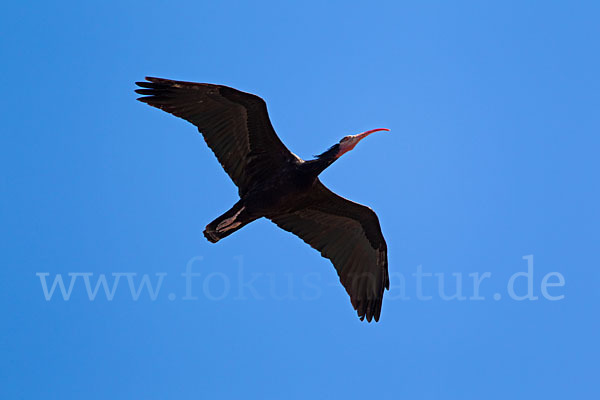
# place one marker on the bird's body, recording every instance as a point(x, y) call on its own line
point(276, 184)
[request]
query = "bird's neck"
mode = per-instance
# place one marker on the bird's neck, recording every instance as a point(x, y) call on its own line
point(324, 160)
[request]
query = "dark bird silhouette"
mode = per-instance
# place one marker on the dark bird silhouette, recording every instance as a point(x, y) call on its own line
point(276, 184)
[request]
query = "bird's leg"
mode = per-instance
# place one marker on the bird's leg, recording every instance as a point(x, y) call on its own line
point(228, 223)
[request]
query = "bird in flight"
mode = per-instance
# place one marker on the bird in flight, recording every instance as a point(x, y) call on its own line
point(276, 184)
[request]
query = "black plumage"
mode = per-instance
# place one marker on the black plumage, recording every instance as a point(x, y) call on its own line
point(276, 184)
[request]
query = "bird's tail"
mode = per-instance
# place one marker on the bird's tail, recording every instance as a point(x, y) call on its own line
point(226, 224)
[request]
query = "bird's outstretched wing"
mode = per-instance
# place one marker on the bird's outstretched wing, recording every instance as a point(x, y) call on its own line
point(234, 124)
point(349, 235)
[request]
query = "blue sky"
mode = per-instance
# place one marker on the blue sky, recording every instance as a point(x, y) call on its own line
point(492, 158)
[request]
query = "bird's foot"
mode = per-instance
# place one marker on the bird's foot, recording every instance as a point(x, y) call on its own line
point(211, 236)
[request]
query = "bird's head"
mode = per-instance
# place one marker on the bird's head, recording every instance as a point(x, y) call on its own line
point(349, 142)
